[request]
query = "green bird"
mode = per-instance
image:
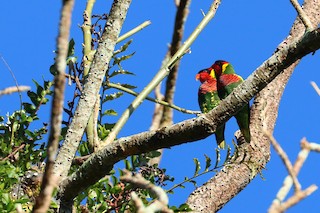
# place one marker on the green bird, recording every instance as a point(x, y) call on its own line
point(208, 99)
point(227, 81)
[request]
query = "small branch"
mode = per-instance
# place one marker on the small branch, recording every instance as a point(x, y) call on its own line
point(14, 152)
point(180, 19)
point(10, 90)
point(88, 54)
point(131, 92)
point(315, 86)
point(297, 197)
point(14, 78)
point(287, 183)
point(49, 180)
point(163, 72)
point(138, 181)
point(133, 31)
point(303, 16)
point(285, 159)
point(310, 146)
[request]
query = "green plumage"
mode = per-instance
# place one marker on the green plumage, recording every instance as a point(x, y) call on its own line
point(227, 81)
point(208, 99)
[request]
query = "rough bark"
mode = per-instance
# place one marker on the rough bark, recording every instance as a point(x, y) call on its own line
point(92, 85)
point(215, 193)
point(100, 163)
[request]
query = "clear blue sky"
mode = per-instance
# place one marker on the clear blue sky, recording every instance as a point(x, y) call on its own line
point(244, 34)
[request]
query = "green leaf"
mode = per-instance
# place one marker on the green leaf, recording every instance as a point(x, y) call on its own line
point(197, 164)
point(112, 96)
point(120, 72)
point(71, 48)
point(208, 163)
point(122, 48)
point(118, 60)
point(127, 165)
point(29, 108)
point(110, 112)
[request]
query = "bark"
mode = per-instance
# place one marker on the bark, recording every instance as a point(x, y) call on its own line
point(226, 184)
point(100, 163)
point(91, 88)
point(49, 181)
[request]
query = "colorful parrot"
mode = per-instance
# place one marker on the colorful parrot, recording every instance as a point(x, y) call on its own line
point(208, 99)
point(227, 81)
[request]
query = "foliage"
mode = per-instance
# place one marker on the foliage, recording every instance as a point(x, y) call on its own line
point(22, 151)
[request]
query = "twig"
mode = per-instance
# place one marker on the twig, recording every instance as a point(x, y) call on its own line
point(14, 152)
point(163, 72)
point(131, 92)
point(10, 90)
point(287, 183)
point(138, 181)
point(88, 54)
point(49, 181)
point(297, 197)
point(285, 159)
point(133, 31)
point(311, 146)
point(14, 78)
point(303, 16)
point(180, 19)
point(315, 86)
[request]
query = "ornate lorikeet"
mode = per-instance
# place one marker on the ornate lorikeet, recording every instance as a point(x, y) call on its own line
point(227, 81)
point(208, 99)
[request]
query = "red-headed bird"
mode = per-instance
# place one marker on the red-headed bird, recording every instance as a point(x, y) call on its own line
point(208, 99)
point(227, 81)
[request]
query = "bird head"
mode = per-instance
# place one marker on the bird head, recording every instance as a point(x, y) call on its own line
point(222, 67)
point(206, 75)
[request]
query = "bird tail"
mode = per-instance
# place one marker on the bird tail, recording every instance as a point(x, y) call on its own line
point(220, 137)
point(243, 119)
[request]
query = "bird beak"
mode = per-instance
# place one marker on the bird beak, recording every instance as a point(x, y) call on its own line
point(197, 77)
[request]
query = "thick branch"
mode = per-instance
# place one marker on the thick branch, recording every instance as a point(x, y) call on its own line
point(99, 164)
point(92, 85)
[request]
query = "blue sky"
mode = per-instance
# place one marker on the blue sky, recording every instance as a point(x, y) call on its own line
point(244, 34)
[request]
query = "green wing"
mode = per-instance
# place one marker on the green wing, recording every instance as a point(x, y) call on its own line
point(207, 102)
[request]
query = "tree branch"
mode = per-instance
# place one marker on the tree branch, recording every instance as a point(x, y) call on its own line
point(161, 204)
point(303, 16)
point(158, 101)
point(10, 90)
point(285, 160)
point(92, 85)
point(181, 17)
point(99, 164)
point(276, 205)
point(49, 180)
